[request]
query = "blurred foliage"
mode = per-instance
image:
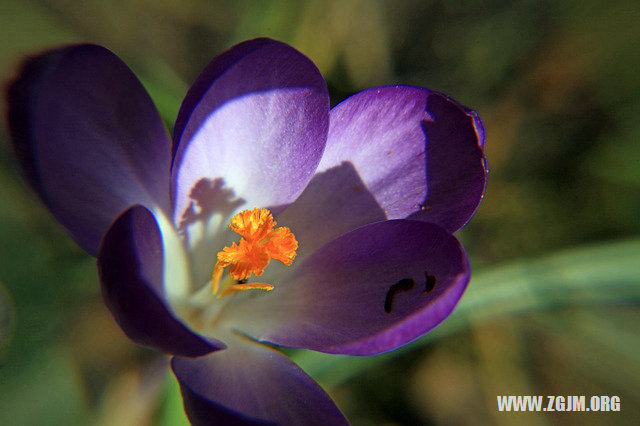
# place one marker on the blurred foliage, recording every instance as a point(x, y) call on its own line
point(557, 85)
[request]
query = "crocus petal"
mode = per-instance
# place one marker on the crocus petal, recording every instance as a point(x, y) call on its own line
point(335, 202)
point(88, 138)
point(417, 152)
point(131, 268)
point(248, 383)
point(258, 118)
point(366, 292)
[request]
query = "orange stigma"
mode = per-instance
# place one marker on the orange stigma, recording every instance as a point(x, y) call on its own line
point(260, 243)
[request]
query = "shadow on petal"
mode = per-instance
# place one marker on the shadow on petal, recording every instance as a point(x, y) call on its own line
point(454, 164)
point(335, 202)
point(203, 224)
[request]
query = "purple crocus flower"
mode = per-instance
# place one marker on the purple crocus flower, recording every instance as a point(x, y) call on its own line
point(366, 196)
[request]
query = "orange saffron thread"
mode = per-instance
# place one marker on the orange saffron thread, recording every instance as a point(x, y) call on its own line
point(261, 241)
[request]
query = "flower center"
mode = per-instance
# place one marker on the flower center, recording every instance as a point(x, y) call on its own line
point(260, 243)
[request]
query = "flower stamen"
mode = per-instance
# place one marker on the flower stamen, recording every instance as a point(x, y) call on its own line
point(259, 244)
point(234, 288)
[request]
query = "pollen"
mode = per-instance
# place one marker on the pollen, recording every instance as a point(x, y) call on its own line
point(261, 241)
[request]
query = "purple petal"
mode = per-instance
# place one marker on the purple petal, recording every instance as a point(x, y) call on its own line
point(417, 152)
point(335, 202)
point(369, 291)
point(257, 118)
point(249, 383)
point(88, 138)
point(130, 264)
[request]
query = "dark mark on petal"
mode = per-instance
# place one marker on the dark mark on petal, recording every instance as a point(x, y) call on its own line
point(404, 284)
point(430, 283)
point(241, 281)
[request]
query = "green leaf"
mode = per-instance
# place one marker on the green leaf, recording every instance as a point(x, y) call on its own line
point(7, 321)
point(48, 392)
point(172, 411)
point(165, 87)
point(26, 27)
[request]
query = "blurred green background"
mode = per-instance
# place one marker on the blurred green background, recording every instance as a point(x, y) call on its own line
point(553, 307)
